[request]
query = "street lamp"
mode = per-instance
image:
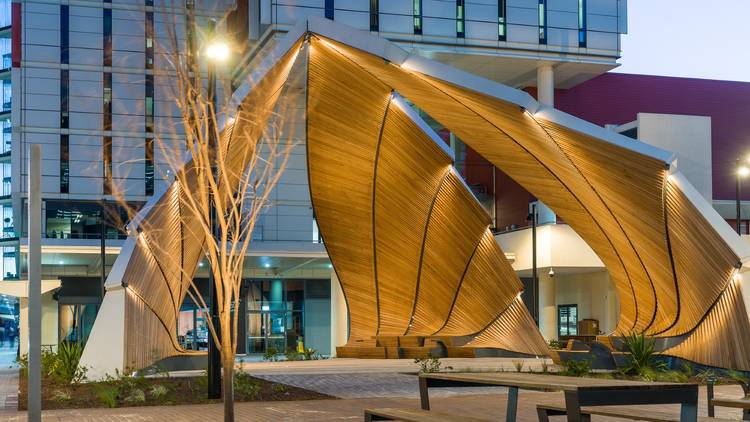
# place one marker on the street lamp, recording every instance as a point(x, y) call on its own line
point(741, 171)
point(216, 51)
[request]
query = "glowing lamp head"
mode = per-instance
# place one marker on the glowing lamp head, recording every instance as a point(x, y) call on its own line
point(217, 51)
point(743, 171)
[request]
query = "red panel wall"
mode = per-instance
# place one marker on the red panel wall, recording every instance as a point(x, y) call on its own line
point(16, 34)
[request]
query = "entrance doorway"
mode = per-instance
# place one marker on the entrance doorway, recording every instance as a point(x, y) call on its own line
point(272, 330)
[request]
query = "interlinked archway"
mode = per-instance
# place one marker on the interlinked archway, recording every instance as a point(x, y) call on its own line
point(410, 244)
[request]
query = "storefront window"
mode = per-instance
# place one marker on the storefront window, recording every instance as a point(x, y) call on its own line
point(76, 321)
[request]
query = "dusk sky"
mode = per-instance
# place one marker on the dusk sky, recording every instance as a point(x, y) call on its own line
point(690, 38)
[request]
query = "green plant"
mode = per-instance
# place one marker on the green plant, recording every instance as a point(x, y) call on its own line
point(671, 376)
point(292, 354)
point(271, 354)
point(107, 394)
point(311, 354)
point(545, 366)
point(157, 391)
point(576, 368)
point(688, 369)
point(135, 395)
point(738, 377)
point(556, 344)
point(708, 376)
point(430, 364)
point(518, 364)
point(66, 366)
point(245, 387)
point(642, 359)
point(61, 395)
point(279, 388)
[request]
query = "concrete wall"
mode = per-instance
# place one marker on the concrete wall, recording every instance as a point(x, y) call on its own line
point(593, 293)
point(689, 137)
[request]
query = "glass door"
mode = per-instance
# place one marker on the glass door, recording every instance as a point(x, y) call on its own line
point(266, 330)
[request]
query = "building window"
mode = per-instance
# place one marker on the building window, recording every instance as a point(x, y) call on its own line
point(64, 164)
point(542, 21)
point(107, 36)
point(149, 100)
point(582, 23)
point(374, 15)
point(149, 175)
point(567, 320)
point(417, 17)
point(107, 162)
point(149, 40)
point(107, 110)
point(329, 9)
point(502, 26)
point(64, 33)
point(460, 19)
point(64, 98)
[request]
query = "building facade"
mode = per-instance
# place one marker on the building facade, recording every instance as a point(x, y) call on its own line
point(92, 88)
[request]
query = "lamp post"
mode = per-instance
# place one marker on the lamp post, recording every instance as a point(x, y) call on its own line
point(534, 280)
point(741, 171)
point(216, 51)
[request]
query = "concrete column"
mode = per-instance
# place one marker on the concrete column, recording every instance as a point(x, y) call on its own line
point(339, 315)
point(547, 305)
point(545, 88)
point(545, 84)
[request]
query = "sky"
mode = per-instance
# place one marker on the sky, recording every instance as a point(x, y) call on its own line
point(707, 39)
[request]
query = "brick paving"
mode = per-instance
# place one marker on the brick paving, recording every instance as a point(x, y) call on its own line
point(487, 406)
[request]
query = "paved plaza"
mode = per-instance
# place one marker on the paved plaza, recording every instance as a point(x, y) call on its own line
point(359, 384)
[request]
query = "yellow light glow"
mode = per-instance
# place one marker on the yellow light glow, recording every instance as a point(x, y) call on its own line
point(217, 51)
point(743, 171)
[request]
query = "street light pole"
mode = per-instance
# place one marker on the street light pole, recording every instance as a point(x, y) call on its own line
point(740, 172)
point(214, 360)
point(534, 277)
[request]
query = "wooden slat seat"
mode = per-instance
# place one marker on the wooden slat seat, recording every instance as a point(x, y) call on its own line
point(740, 403)
point(545, 410)
point(414, 415)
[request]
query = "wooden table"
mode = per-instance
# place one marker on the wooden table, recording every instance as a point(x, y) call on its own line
point(578, 391)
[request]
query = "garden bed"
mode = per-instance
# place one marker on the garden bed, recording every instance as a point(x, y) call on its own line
point(156, 391)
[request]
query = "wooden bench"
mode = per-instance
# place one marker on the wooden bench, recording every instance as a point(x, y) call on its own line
point(544, 411)
point(414, 415)
point(740, 403)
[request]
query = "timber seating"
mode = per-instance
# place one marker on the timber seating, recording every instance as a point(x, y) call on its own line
point(737, 403)
point(414, 415)
point(545, 410)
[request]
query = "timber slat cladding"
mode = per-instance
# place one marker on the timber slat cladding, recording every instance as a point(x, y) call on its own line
point(399, 240)
point(528, 170)
point(513, 330)
point(341, 145)
point(425, 261)
point(481, 297)
point(721, 338)
point(703, 261)
point(169, 240)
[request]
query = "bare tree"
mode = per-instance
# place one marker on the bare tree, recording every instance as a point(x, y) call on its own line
point(225, 177)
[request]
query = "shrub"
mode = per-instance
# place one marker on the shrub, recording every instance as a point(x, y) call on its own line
point(311, 354)
point(66, 366)
point(739, 378)
point(545, 366)
point(708, 376)
point(671, 376)
point(518, 364)
point(642, 358)
point(292, 354)
point(245, 387)
point(157, 391)
point(279, 388)
point(271, 354)
point(576, 368)
point(61, 395)
point(136, 395)
point(556, 344)
point(430, 365)
point(107, 394)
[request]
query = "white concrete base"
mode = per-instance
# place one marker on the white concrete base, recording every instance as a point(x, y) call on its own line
point(105, 350)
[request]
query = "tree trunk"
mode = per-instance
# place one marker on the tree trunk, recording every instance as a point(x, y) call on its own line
point(228, 387)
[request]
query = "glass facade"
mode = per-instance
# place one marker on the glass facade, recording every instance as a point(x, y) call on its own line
point(287, 314)
point(75, 321)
